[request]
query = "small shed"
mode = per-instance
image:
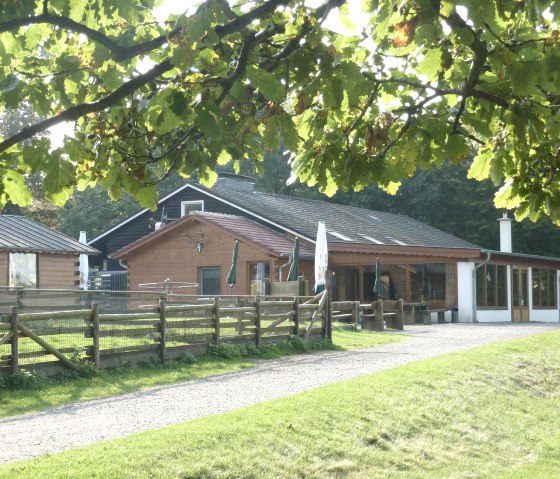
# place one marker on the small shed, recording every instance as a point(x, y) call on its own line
point(34, 256)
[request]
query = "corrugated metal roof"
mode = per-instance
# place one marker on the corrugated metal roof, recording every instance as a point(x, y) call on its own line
point(20, 234)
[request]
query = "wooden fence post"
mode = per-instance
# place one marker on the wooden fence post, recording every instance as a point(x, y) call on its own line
point(162, 330)
point(217, 319)
point(95, 334)
point(329, 311)
point(296, 317)
point(258, 320)
point(15, 340)
point(355, 313)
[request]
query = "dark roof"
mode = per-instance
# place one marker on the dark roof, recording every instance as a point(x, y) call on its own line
point(20, 234)
point(239, 226)
point(344, 224)
point(299, 216)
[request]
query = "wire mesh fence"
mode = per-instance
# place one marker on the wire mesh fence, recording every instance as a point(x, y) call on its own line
point(151, 327)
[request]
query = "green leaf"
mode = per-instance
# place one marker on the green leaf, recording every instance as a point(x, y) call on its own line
point(13, 184)
point(270, 87)
point(523, 77)
point(430, 65)
point(456, 148)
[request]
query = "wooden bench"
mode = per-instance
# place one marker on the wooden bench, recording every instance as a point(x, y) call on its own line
point(427, 315)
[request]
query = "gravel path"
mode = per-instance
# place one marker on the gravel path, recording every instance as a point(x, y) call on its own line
point(75, 425)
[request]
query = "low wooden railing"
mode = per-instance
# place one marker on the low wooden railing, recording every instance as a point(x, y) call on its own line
point(50, 341)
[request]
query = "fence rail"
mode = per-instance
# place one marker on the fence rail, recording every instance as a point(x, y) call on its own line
point(49, 341)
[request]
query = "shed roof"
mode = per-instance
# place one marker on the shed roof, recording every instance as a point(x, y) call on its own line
point(20, 234)
point(239, 226)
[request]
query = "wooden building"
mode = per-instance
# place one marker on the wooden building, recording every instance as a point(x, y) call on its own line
point(420, 264)
point(34, 256)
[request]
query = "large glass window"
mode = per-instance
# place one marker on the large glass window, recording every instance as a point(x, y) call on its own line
point(544, 288)
point(210, 281)
point(491, 286)
point(23, 270)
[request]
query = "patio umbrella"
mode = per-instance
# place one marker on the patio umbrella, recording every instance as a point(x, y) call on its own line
point(84, 264)
point(232, 275)
point(321, 259)
point(294, 273)
point(378, 285)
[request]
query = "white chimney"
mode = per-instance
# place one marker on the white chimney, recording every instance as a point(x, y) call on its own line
point(505, 233)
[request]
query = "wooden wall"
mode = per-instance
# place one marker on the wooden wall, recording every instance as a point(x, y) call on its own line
point(4, 280)
point(58, 271)
point(55, 271)
point(174, 256)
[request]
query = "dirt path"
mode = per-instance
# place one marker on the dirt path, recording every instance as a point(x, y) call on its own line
point(76, 425)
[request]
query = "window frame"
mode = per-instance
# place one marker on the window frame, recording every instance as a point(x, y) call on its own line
point(201, 280)
point(191, 202)
point(11, 283)
point(482, 300)
point(550, 276)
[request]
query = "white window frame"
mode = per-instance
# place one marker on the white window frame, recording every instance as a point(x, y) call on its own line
point(193, 202)
point(18, 266)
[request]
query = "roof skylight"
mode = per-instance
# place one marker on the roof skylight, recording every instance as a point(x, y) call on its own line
point(373, 240)
point(339, 235)
point(396, 241)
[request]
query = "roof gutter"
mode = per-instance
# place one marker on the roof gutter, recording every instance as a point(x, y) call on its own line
point(488, 254)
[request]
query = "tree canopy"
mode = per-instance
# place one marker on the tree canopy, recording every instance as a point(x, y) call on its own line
point(411, 85)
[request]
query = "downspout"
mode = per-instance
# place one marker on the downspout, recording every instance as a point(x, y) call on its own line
point(290, 259)
point(474, 282)
point(124, 266)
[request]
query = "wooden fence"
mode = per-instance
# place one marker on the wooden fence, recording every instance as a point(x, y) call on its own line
point(51, 341)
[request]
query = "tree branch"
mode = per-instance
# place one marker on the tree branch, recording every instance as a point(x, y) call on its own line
point(75, 112)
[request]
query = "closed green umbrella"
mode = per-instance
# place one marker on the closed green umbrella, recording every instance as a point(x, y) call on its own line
point(232, 275)
point(294, 273)
point(378, 285)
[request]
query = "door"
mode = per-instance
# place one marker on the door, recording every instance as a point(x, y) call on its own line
point(520, 294)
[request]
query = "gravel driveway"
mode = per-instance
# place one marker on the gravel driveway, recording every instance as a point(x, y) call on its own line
point(75, 425)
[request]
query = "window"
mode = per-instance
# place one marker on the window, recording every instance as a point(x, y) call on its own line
point(259, 271)
point(188, 206)
point(544, 288)
point(491, 286)
point(23, 270)
point(210, 281)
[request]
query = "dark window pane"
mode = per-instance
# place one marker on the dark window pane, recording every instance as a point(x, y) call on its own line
point(210, 281)
point(502, 286)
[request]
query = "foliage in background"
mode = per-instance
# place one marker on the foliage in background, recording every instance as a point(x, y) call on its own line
point(415, 85)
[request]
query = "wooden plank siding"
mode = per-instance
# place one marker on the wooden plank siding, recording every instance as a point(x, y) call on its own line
point(4, 279)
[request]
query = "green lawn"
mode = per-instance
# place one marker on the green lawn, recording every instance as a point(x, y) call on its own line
point(109, 383)
point(490, 412)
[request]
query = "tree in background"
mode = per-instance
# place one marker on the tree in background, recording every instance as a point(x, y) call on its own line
point(416, 85)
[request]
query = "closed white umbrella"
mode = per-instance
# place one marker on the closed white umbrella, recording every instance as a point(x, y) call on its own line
point(321, 258)
point(84, 264)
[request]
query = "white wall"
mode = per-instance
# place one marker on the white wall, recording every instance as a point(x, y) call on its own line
point(465, 291)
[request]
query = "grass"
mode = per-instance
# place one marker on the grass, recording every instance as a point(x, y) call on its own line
point(44, 393)
point(490, 412)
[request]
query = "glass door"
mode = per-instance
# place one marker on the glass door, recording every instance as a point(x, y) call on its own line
point(520, 294)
